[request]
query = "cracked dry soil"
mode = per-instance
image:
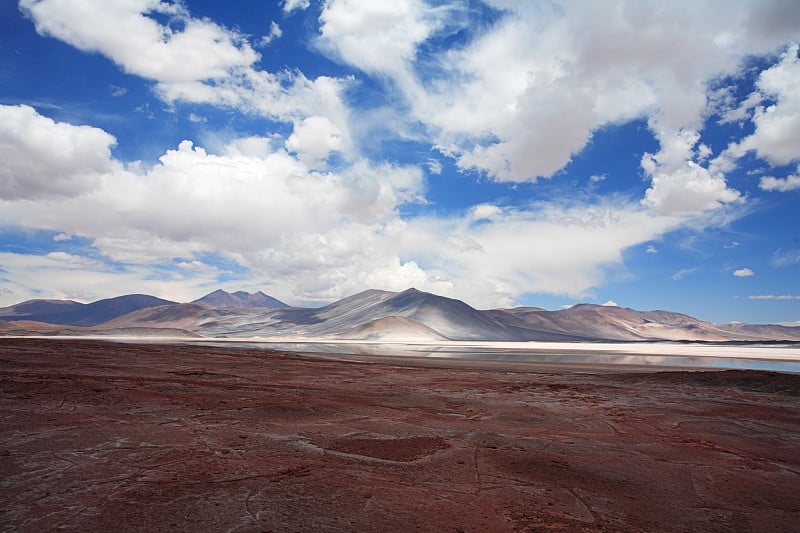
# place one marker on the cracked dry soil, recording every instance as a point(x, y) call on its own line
point(98, 436)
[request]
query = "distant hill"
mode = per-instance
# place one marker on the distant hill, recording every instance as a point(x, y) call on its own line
point(39, 308)
point(618, 323)
point(240, 299)
point(71, 313)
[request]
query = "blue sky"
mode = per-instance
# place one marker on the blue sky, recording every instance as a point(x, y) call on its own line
point(504, 153)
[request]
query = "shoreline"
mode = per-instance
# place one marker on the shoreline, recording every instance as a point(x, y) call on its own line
point(790, 350)
point(499, 355)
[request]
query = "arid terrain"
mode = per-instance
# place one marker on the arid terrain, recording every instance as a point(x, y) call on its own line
point(101, 436)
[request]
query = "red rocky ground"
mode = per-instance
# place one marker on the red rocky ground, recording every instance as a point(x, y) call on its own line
point(100, 436)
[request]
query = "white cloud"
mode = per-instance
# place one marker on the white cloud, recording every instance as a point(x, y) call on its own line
point(291, 5)
point(125, 33)
point(484, 212)
point(313, 139)
point(377, 37)
point(255, 146)
point(680, 186)
point(690, 190)
point(740, 112)
point(434, 166)
point(743, 273)
point(62, 237)
point(651, 249)
point(610, 303)
point(547, 248)
point(275, 32)
point(46, 159)
point(774, 297)
point(254, 204)
point(789, 183)
point(777, 134)
point(75, 261)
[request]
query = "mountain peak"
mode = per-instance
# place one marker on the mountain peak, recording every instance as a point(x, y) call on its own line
point(240, 299)
point(412, 290)
point(218, 292)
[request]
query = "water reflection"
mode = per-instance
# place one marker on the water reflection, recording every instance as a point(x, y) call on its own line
point(778, 359)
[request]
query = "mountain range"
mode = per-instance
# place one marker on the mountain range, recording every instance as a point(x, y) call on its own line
point(410, 315)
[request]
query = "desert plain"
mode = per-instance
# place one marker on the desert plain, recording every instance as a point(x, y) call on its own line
point(101, 436)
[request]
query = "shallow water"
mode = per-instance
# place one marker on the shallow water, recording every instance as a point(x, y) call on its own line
point(775, 358)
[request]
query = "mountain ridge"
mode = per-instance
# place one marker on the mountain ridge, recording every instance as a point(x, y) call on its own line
point(376, 314)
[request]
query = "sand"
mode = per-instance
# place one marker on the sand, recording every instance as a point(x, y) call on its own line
point(174, 437)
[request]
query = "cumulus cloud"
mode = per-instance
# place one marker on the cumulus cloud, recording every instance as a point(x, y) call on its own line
point(291, 5)
point(743, 273)
point(610, 303)
point(47, 159)
point(190, 59)
point(524, 95)
point(789, 183)
point(125, 33)
point(777, 126)
point(484, 212)
point(651, 249)
point(689, 190)
point(681, 186)
point(377, 37)
point(255, 204)
point(314, 138)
